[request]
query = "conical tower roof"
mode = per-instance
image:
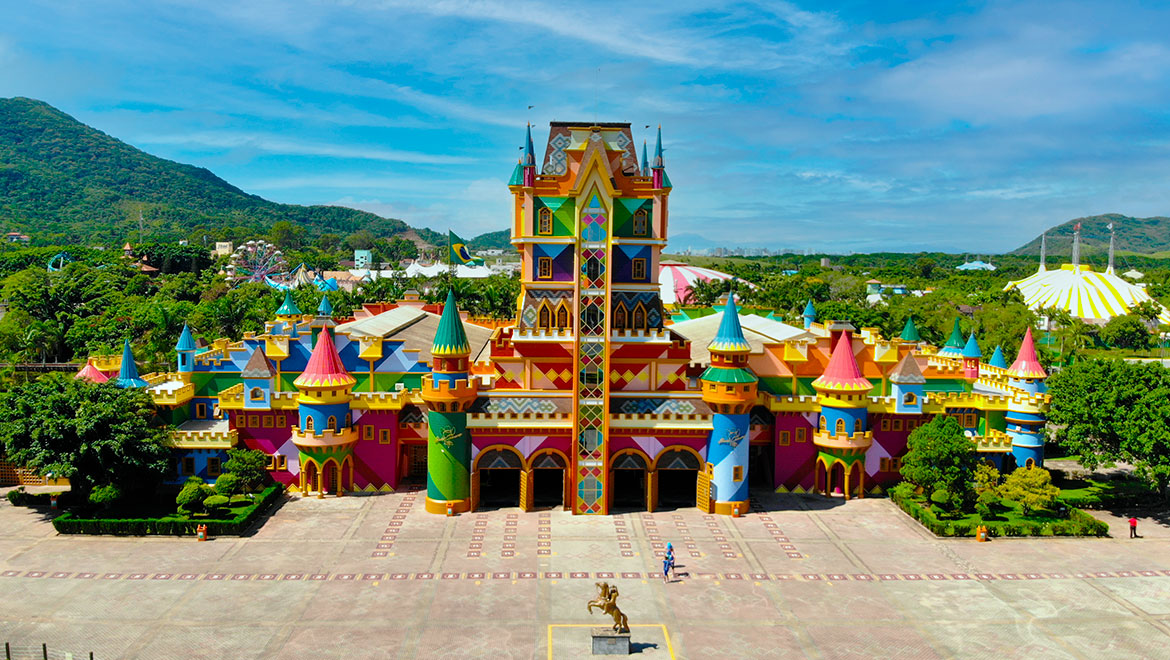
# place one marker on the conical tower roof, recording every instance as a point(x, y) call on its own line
point(529, 151)
point(907, 372)
point(645, 160)
point(288, 307)
point(128, 372)
point(324, 369)
point(810, 311)
point(326, 307)
point(729, 338)
point(450, 338)
point(910, 331)
point(258, 366)
point(186, 341)
point(517, 178)
point(955, 343)
point(997, 358)
point(842, 373)
point(91, 373)
point(1027, 365)
point(971, 349)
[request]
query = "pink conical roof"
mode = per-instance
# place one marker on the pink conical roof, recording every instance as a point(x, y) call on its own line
point(842, 372)
point(324, 368)
point(91, 373)
point(1026, 364)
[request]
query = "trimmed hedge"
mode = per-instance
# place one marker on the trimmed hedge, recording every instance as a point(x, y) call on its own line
point(20, 497)
point(1078, 523)
point(70, 523)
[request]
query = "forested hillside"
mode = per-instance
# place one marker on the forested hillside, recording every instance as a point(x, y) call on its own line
point(1137, 235)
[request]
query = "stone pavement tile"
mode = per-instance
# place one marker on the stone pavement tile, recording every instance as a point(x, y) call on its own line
point(1151, 594)
point(867, 640)
point(210, 601)
point(816, 557)
point(904, 556)
point(1112, 639)
point(11, 547)
point(723, 601)
point(488, 601)
point(78, 638)
point(800, 525)
point(82, 553)
point(824, 601)
point(254, 556)
point(738, 641)
point(1059, 598)
point(1118, 522)
point(121, 600)
point(25, 522)
point(227, 638)
point(35, 596)
point(995, 640)
point(873, 523)
point(479, 640)
point(337, 600)
point(957, 600)
point(373, 640)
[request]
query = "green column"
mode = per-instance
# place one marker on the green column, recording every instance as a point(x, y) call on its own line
point(448, 457)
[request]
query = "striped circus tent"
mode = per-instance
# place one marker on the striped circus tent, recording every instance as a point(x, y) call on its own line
point(1082, 292)
point(675, 278)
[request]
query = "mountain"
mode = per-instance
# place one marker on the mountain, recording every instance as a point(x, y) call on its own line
point(64, 182)
point(1137, 235)
point(498, 240)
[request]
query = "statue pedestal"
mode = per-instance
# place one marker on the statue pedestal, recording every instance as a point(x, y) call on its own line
point(608, 642)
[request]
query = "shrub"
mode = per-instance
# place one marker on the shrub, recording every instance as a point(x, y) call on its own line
point(216, 502)
point(1031, 488)
point(70, 523)
point(227, 484)
point(105, 495)
point(191, 497)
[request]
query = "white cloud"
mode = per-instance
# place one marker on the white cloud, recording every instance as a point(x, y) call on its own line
point(279, 145)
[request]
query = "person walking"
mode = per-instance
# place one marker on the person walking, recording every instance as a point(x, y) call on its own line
point(1133, 527)
point(667, 563)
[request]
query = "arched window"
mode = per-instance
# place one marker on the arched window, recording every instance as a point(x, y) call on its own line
point(857, 426)
point(331, 424)
point(544, 222)
point(910, 399)
point(639, 321)
point(840, 427)
point(348, 420)
point(563, 315)
point(545, 321)
point(309, 423)
point(619, 317)
point(257, 394)
point(1029, 464)
point(824, 423)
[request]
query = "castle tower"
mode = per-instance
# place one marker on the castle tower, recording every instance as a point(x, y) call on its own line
point(288, 310)
point(910, 332)
point(257, 376)
point(729, 389)
point(906, 386)
point(128, 371)
point(955, 343)
point(809, 314)
point(185, 354)
point(324, 318)
point(325, 435)
point(843, 435)
point(997, 358)
point(971, 355)
point(449, 392)
point(1026, 417)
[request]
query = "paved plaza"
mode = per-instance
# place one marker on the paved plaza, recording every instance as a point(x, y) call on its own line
point(377, 577)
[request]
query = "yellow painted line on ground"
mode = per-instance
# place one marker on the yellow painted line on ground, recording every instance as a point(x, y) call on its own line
point(665, 633)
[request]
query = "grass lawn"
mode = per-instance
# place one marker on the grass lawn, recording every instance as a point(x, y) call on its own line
point(1007, 520)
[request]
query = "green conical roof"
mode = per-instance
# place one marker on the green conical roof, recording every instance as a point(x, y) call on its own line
point(517, 176)
point(910, 332)
point(729, 338)
point(956, 338)
point(288, 307)
point(450, 339)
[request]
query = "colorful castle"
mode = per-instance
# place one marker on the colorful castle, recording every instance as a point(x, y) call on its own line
point(591, 400)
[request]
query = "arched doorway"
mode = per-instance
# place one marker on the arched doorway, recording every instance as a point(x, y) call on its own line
point(309, 476)
point(677, 473)
point(837, 479)
point(548, 480)
point(499, 478)
point(821, 477)
point(627, 478)
point(854, 485)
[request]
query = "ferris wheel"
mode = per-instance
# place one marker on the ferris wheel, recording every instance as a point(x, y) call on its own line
point(257, 261)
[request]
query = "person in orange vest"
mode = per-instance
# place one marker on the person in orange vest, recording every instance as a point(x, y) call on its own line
point(1133, 528)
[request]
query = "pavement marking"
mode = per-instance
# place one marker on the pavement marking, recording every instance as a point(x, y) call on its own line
point(665, 633)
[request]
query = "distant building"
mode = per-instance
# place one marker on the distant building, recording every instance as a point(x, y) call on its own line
point(363, 258)
point(975, 265)
point(17, 237)
point(224, 248)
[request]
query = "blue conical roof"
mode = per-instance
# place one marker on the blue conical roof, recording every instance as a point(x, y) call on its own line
point(729, 338)
point(288, 307)
point(186, 341)
point(971, 350)
point(325, 308)
point(998, 359)
point(529, 151)
point(809, 312)
point(128, 373)
point(645, 160)
point(658, 162)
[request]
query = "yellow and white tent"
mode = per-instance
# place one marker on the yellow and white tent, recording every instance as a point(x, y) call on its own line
point(1082, 292)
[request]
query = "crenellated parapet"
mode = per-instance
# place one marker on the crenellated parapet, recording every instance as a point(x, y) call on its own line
point(327, 438)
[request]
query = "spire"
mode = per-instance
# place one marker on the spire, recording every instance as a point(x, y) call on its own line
point(645, 160)
point(910, 331)
point(1043, 252)
point(658, 162)
point(729, 338)
point(1076, 251)
point(128, 372)
point(186, 341)
point(842, 372)
point(288, 307)
point(1027, 365)
point(325, 369)
point(529, 151)
point(450, 339)
point(997, 358)
point(1109, 269)
point(971, 350)
point(326, 307)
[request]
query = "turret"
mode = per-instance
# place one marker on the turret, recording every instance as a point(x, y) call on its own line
point(257, 376)
point(660, 180)
point(910, 332)
point(971, 355)
point(1026, 417)
point(185, 354)
point(529, 160)
point(128, 372)
point(325, 435)
point(729, 389)
point(449, 392)
point(809, 315)
point(288, 310)
point(324, 318)
point(645, 160)
point(997, 358)
point(843, 435)
point(906, 386)
point(955, 343)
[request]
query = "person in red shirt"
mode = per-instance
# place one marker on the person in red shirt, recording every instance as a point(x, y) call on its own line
point(1133, 528)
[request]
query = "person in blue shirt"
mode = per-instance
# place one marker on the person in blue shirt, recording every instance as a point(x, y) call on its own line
point(667, 562)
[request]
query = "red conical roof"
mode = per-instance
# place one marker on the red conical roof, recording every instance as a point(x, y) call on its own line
point(1026, 364)
point(91, 373)
point(324, 368)
point(842, 372)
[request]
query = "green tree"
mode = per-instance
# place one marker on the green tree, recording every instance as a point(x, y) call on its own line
point(1128, 331)
point(250, 466)
point(192, 495)
point(94, 435)
point(227, 484)
point(941, 457)
point(1031, 488)
point(285, 235)
point(1111, 410)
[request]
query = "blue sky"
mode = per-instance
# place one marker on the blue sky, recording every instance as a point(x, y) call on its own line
point(965, 127)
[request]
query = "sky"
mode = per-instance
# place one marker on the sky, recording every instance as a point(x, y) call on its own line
point(856, 126)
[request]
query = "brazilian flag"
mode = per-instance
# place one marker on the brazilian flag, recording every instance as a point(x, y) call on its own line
point(459, 252)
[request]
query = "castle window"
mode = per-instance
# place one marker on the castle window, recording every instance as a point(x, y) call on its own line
point(188, 466)
point(309, 423)
point(281, 422)
point(970, 421)
point(213, 466)
point(639, 318)
point(1029, 464)
point(384, 437)
point(544, 322)
point(619, 316)
point(897, 425)
point(254, 421)
point(910, 399)
point(563, 315)
point(267, 421)
point(785, 439)
point(257, 394)
point(640, 225)
point(200, 410)
point(840, 430)
point(544, 268)
point(824, 423)
point(737, 473)
point(544, 222)
point(801, 434)
point(331, 423)
point(886, 424)
point(348, 420)
point(638, 268)
point(857, 426)
point(367, 432)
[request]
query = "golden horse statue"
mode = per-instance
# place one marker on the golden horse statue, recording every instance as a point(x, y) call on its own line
point(606, 601)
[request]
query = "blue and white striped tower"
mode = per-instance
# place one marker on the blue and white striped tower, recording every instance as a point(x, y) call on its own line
point(1026, 417)
point(729, 389)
